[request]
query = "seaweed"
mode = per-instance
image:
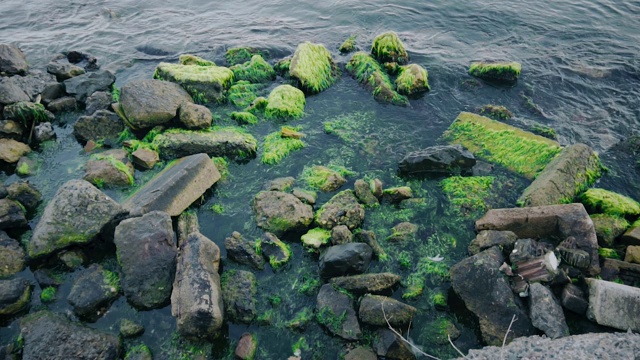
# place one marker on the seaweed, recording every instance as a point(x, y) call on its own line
point(609, 202)
point(242, 93)
point(255, 71)
point(314, 68)
point(316, 237)
point(48, 294)
point(324, 178)
point(285, 101)
point(276, 147)
point(496, 71)
point(348, 45)
point(240, 55)
point(388, 47)
point(468, 194)
point(413, 79)
point(188, 59)
point(368, 72)
point(244, 118)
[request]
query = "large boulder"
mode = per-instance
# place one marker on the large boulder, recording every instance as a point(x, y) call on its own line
point(313, 66)
point(367, 283)
point(220, 142)
point(15, 295)
point(239, 294)
point(95, 289)
point(12, 256)
point(147, 251)
point(11, 151)
point(486, 293)
point(575, 169)
point(612, 304)
point(546, 312)
point(341, 209)
point(205, 83)
point(379, 310)
point(279, 212)
point(335, 312)
point(438, 160)
point(49, 336)
point(11, 214)
point(196, 300)
point(83, 86)
point(12, 60)
point(176, 187)
point(345, 259)
point(77, 214)
point(147, 103)
point(101, 126)
point(559, 221)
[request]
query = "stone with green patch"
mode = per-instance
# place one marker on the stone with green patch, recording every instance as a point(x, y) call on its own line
point(314, 68)
point(609, 202)
point(348, 45)
point(241, 55)
point(229, 141)
point(316, 237)
point(276, 147)
point(412, 80)
point(387, 47)
point(341, 209)
point(324, 178)
point(369, 73)
point(206, 84)
point(608, 228)
point(285, 102)
point(505, 72)
point(188, 59)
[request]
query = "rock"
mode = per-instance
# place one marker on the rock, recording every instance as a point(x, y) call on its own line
point(42, 329)
point(274, 250)
point(610, 304)
point(369, 238)
point(139, 352)
point(615, 269)
point(99, 100)
point(376, 188)
point(335, 312)
point(374, 308)
point(63, 104)
point(367, 283)
point(43, 132)
point(130, 329)
point(528, 249)
point(243, 251)
point(82, 59)
point(12, 256)
point(10, 93)
point(341, 235)
point(221, 142)
point(27, 113)
point(95, 289)
point(496, 71)
point(488, 238)
point(83, 86)
point(387, 47)
point(575, 169)
point(633, 254)
point(63, 69)
point(11, 150)
point(412, 80)
point(238, 292)
point(11, 129)
point(280, 184)
point(576, 347)
point(632, 235)
point(12, 60)
point(148, 103)
point(3, 191)
point(345, 259)
point(286, 102)
point(51, 92)
point(101, 126)
point(256, 70)
point(438, 160)
point(546, 313)
point(313, 67)
point(72, 259)
point(145, 159)
point(360, 353)
point(34, 83)
point(397, 194)
point(25, 193)
point(205, 83)
point(247, 346)
point(315, 238)
point(364, 194)
point(15, 295)
point(11, 215)
point(240, 55)
point(176, 187)
point(110, 168)
point(322, 178)
point(403, 231)
point(560, 221)
point(609, 202)
point(342, 209)
point(279, 212)
point(196, 300)
point(439, 332)
point(147, 252)
point(195, 117)
point(573, 299)
point(608, 228)
point(485, 292)
point(26, 167)
point(542, 268)
point(389, 346)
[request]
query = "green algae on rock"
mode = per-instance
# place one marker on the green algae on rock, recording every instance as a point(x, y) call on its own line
point(517, 150)
point(316, 237)
point(188, 59)
point(205, 84)
point(254, 71)
point(497, 112)
point(388, 47)
point(608, 228)
point(276, 147)
point(348, 45)
point(282, 67)
point(314, 67)
point(285, 101)
point(258, 105)
point(609, 202)
point(242, 93)
point(229, 141)
point(241, 55)
point(468, 194)
point(324, 178)
point(244, 118)
point(369, 73)
point(413, 79)
point(507, 72)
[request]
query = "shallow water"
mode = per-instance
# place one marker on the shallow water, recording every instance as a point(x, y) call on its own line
point(581, 68)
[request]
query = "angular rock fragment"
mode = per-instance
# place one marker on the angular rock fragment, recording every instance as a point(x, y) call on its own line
point(612, 304)
point(438, 160)
point(147, 103)
point(335, 312)
point(375, 308)
point(346, 259)
point(219, 142)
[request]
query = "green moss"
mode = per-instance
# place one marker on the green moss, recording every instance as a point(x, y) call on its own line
point(115, 93)
point(468, 194)
point(188, 59)
point(285, 101)
point(309, 285)
point(300, 345)
point(404, 259)
point(369, 73)
point(608, 253)
point(280, 225)
point(244, 118)
point(314, 68)
point(300, 320)
point(503, 71)
point(348, 45)
point(119, 165)
point(112, 280)
point(387, 47)
point(316, 237)
point(286, 251)
point(242, 93)
point(609, 202)
point(217, 209)
point(222, 165)
point(439, 300)
point(258, 105)
point(275, 147)
point(203, 83)
point(241, 55)
point(48, 294)
point(497, 112)
point(255, 71)
point(23, 169)
point(515, 149)
point(323, 178)
point(331, 320)
point(545, 131)
point(413, 79)
point(138, 352)
point(426, 269)
point(282, 67)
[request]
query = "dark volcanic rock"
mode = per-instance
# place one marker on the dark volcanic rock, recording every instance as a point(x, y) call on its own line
point(94, 289)
point(238, 292)
point(12, 60)
point(438, 160)
point(83, 86)
point(279, 212)
point(335, 312)
point(345, 259)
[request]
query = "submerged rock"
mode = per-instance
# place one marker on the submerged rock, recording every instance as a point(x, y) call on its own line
point(345, 259)
point(364, 194)
point(219, 142)
point(101, 126)
point(341, 209)
point(501, 72)
point(12, 60)
point(367, 283)
point(94, 289)
point(413, 80)
point(238, 292)
point(12, 256)
point(438, 160)
point(368, 72)
point(323, 178)
point(274, 250)
point(243, 251)
point(15, 295)
point(375, 308)
point(247, 346)
point(82, 86)
point(387, 47)
point(279, 212)
point(254, 71)
point(206, 84)
point(335, 312)
point(130, 329)
point(397, 194)
point(313, 66)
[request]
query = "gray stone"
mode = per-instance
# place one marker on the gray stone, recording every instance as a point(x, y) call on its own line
point(12, 60)
point(43, 132)
point(51, 92)
point(345, 259)
point(528, 249)
point(243, 251)
point(573, 170)
point(389, 346)
point(147, 103)
point(306, 196)
point(15, 295)
point(573, 299)
point(485, 292)
point(11, 215)
point(360, 353)
point(49, 336)
point(34, 83)
point(110, 168)
point(367, 283)
point(11, 93)
point(560, 221)
point(130, 329)
point(145, 158)
point(546, 313)
point(99, 100)
point(147, 251)
point(488, 238)
point(364, 194)
point(176, 187)
point(613, 269)
point(279, 212)
point(223, 142)
point(196, 300)
point(614, 305)
point(374, 308)
point(12, 256)
point(194, 116)
point(11, 129)
point(335, 312)
point(82, 86)
point(608, 228)
point(280, 184)
point(92, 291)
point(25, 193)
point(342, 209)
point(66, 103)
point(77, 214)
point(397, 194)
point(11, 151)
point(239, 291)
point(376, 188)
point(341, 235)
point(63, 69)
point(247, 347)
point(102, 126)
point(631, 236)
point(438, 160)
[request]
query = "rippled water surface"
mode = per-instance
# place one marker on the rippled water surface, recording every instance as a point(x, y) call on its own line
point(581, 76)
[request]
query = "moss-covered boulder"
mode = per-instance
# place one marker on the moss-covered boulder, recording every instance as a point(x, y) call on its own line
point(111, 168)
point(188, 59)
point(282, 67)
point(412, 80)
point(363, 192)
point(276, 146)
point(243, 54)
point(368, 72)
point(387, 47)
point(206, 84)
point(608, 228)
point(517, 150)
point(503, 72)
point(254, 71)
point(279, 212)
point(230, 142)
point(239, 292)
point(316, 237)
point(609, 202)
point(314, 68)
point(285, 101)
point(342, 209)
point(25, 193)
point(348, 45)
point(244, 118)
point(323, 178)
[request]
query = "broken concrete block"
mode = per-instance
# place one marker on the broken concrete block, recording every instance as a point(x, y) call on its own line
point(614, 305)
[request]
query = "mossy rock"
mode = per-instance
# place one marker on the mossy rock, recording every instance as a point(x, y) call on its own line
point(468, 194)
point(316, 237)
point(238, 291)
point(348, 45)
point(323, 178)
point(275, 251)
point(368, 72)
point(206, 84)
point(413, 80)
point(314, 67)
point(517, 150)
point(279, 212)
point(243, 93)
point(506, 72)
point(342, 209)
point(496, 112)
point(244, 118)
point(608, 228)
point(282, 67)
point(439, 331)
point(285, 101)
point(188, 59)
point(254, 71)
point(231, 142)
point(388, 47)
point(241, 55)
point(609, 202)
point(276, 147)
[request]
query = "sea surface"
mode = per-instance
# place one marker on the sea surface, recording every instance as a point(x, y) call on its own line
point(580, 76)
